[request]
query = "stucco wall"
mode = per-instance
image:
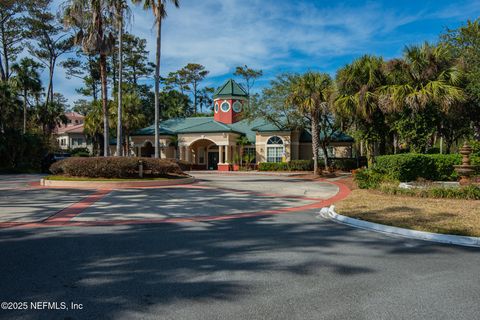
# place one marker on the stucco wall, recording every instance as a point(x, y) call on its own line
point(261, 144)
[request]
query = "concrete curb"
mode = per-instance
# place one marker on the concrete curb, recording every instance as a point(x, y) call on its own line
point(114, 184)
point(329, 213)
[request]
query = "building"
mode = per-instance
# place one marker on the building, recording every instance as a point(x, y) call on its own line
point(70, 135)
point(213, 142)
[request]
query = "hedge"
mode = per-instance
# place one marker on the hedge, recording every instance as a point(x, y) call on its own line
point(114, 167)
point(467, 192)
point(410, 167)
point(294, 165)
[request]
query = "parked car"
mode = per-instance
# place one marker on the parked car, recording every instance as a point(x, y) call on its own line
point(51, 158)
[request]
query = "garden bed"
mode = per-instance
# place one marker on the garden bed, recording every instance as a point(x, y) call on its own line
point(448, 216)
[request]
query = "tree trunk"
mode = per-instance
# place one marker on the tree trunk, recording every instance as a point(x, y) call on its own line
point(103, 76)
point(157, 83)
point(24, 111)
point(2, 72)
point(370, 153)
point(315, 141)
point(120, 67)
point(5, 56)
point(195, 97)
point(51, 68)
point(325, 154)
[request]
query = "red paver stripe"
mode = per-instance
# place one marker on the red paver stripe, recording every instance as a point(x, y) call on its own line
point(67, 214)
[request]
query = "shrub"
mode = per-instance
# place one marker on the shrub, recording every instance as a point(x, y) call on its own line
point(468, 192)
point(21, 152)
point(114, 167)
point(302, 165)
point(410, 167)
point(80, 152)
point(273, 166)
point(368, 178)
point(293, 165)
point(344, 164)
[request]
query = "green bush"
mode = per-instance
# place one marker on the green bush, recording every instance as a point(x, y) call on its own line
point(468, 192)
point(294, 165)
point(273, 166)
point(410, 167)
point(114, 167)
point(302, 165)
point(80, 152)
point(346, 164)
point(368, 178)
point(21, 152)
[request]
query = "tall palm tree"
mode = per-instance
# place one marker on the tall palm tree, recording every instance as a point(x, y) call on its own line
point(357, 85)
point(122, 12)
point(425, 75)
point(26, 79)
point(312, 93)
point(159, 12)
point(91, 20)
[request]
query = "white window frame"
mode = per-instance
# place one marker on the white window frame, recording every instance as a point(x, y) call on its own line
point(229, 106)
point(277, 146)
point(216, 108)
point(237, 107)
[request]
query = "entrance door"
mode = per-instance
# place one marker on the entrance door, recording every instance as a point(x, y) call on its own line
point(212, 160)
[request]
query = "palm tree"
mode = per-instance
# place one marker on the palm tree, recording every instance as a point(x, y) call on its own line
point(242, 141)
point(425, 75)
point(159, 11)
point(27, 80)
point(91, 19)
point(357, 85)
point(311, 93)
point(121, 10)
point(133, 118)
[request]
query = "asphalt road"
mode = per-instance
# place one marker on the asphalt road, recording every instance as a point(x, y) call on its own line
point(287, 266)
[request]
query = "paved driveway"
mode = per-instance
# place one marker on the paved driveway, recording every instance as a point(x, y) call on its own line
point(287, 266)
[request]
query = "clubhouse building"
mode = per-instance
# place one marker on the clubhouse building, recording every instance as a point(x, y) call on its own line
point(214, 143)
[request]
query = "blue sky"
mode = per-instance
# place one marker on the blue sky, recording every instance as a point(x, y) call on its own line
point(288, 36)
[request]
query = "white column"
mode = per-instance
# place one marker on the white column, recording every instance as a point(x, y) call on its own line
point(227, 154)
point(182, 152)
point(220, 154)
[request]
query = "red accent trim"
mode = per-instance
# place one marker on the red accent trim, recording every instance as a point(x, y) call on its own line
point(67, 214)
point(224, 167)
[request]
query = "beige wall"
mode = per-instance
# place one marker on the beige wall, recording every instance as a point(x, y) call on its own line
point(261, 144)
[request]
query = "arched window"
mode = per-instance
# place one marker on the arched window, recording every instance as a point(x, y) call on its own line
point(225, 106)
point(275, 140)
point(237, 107)
point(216, 107)
point(275, 149)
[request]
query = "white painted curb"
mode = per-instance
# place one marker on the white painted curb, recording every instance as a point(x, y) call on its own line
point(329, 213)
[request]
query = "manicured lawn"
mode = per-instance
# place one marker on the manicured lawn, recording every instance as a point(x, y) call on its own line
point(66, 178)
point(459, 217)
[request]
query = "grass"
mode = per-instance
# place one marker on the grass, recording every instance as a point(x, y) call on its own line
point(68, 178)
point(448, 216)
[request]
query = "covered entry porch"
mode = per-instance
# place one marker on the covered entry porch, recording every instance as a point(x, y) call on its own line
point(208, 154)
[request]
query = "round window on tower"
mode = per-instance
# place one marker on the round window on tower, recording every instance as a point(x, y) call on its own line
point(237, 107)
point(216, 107)
point(225, 106)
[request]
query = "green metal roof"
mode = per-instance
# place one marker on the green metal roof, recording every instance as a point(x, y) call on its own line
point(230, 89)
point(242, 127)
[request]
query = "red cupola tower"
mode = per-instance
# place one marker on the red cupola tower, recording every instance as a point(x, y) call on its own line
point(228, 102)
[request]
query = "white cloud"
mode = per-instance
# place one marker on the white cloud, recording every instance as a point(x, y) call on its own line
point(273, 35)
